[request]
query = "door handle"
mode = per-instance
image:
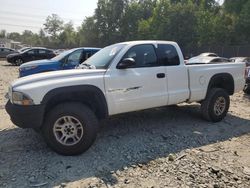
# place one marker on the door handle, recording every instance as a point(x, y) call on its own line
point(160, 75)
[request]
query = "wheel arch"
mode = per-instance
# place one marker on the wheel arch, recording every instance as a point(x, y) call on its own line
point(89, 95)
point(18, 57)
point(223, 81)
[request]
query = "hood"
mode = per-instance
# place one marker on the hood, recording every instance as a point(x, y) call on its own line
point(38, 62)
point(13, 54)
point(55, 75)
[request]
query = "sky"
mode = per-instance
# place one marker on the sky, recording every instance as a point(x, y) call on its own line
point(20, 15)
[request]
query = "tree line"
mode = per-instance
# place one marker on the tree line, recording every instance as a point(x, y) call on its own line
point(191, 23)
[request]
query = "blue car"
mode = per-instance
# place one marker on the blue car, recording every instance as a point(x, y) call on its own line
point(66, 60)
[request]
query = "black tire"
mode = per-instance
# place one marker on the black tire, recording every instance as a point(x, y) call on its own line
point(18, 61)
point(85, 117)
point(247, 89)
point(37, 130)
point(208, 105)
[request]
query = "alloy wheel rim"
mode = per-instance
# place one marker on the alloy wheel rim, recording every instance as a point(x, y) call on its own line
point(19, 61)
point(220, 106)
point(68, 130)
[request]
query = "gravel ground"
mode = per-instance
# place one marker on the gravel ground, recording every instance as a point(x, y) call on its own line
point(163, 147)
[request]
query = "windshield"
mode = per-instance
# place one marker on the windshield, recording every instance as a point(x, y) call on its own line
point(62, 55)
point(103, 58)
point(24, 49)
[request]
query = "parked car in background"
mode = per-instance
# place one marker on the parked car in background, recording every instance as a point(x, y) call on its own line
point(241, 59)
point(247, 61)
point(24, 49)
point(6, 51)
point(208, 54)
point(30, 55)
point(59, 51)
point(66, 60)
point(206, 60)
point(247, 85)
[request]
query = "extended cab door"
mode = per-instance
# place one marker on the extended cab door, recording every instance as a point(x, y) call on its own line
point(171, 58)
point(140, 87)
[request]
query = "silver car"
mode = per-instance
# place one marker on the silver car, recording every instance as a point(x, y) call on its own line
point(241, 59)
point(206, 60)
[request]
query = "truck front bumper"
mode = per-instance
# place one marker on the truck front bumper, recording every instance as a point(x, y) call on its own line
point(26, 116)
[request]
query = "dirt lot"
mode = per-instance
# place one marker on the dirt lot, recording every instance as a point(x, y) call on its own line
point(164, 147)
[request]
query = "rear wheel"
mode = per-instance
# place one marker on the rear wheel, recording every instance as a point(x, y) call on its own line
point(70, 128)
point(215, 107)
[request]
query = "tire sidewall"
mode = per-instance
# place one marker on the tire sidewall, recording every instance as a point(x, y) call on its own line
point(247, 89)
point(89, 130)
point(213, 116)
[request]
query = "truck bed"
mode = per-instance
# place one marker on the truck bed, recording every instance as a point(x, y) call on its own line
point(201, 74)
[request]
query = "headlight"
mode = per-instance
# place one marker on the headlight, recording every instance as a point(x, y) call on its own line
point(21, 99)
point(27, 68)
point(9, 56)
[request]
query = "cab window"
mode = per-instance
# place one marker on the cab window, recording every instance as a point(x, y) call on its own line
point(168, 55)
point(144, 55)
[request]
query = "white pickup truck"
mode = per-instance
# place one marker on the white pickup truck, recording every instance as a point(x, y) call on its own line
point(67, 105)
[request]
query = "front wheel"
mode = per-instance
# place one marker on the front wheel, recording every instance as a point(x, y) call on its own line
point(215, 107)
point(18, 61)
point(70, 128)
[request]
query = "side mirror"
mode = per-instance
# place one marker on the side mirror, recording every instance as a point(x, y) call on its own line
point(126, 63)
